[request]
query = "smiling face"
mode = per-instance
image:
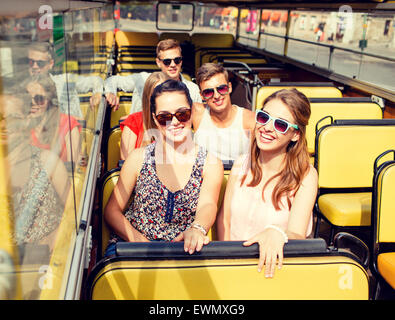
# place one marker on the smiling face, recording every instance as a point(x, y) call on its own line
point(39, 101)
point(173, 70)
point(267, 137)
point(218, 102)
point(39, 62)
point(175, 131)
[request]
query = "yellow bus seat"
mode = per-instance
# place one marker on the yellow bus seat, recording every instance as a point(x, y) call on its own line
point(113, 147)
point(107, 184)
point(226, 271)
point(310, 89)
point(383, 219)
point(346, 151)
point(386, 267)
point(125, 103)
point(202, 41)
point(129, 38)
point(338, 108)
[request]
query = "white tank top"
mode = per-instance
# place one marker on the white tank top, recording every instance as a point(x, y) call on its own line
point(224, 143)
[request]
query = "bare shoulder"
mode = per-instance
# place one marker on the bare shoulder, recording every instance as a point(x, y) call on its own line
point(311, 177)
point(197, 114)
point(248, 119)
point(134, 161)
point(198, 107)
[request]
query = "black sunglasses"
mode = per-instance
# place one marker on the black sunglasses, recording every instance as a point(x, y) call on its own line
point(208, 93)
point(165, 118)
point(39, 99)
point(40, 63)
point(167, 62)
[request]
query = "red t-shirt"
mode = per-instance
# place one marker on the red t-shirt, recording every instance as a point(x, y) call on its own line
point(135, 123)
point(64, 128)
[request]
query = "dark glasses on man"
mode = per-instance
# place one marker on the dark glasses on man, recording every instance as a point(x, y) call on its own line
point(279, 125)
point(40, 63)
point(167, 62)
point(165, 118)
point(39, 99)
point(208, 93)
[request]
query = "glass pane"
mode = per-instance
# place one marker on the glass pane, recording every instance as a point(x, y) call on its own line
point(273, 28)
point(214, 19)
point(137, 17)
point(249, 27)
point(50, 65)
point(175, 16)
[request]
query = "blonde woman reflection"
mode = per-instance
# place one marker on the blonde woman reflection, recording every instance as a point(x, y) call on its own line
point(39, 179)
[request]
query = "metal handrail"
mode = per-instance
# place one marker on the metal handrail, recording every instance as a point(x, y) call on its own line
point(330, 46)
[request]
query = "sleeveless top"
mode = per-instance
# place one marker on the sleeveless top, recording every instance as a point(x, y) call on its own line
point(158, 213)
point(249, 213)
point(224, 143)
point(38, 207)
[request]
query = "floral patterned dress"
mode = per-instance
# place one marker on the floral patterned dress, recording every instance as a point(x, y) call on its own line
point(158, 213)
point(38, 207)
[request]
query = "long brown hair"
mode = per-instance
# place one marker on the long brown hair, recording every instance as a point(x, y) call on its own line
point(296, 162)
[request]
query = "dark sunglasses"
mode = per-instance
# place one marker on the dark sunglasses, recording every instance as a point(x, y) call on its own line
point(165, 118)
point(279, 125)
point(167, 62)
point(208, 93)
point(39, 99)
point(40, 63)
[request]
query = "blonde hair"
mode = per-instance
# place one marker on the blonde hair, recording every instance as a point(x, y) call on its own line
point(152, 81)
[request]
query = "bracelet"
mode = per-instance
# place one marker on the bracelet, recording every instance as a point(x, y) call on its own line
point(272, 226)
point(200, 228)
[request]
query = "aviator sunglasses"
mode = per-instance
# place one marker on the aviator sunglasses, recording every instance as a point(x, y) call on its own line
point(165, 118)
point(279, 125)
point(167, 62)
point(208, 93)
point(40, 63)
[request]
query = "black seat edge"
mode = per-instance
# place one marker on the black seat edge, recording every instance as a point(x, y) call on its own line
point(214, 250)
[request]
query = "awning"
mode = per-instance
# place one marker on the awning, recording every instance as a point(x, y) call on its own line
point(284, 17)
point(266, 15)
point(275, 16)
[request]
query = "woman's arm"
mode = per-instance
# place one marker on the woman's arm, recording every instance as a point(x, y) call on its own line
point(128, 142)
point(206, 210)
point(223, 219)
point(302, 206)
point(271, 240)
point(113, 212)
point(73, 155)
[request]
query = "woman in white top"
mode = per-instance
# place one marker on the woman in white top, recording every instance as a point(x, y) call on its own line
point(271, 192)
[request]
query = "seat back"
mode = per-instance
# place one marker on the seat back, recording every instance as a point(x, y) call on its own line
point(107, 184)
point(113, 144)
point(226, 270)
point(310, 89)
point(383, 205)
point(338, 108)
point(347, 149)
point(137, 39)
